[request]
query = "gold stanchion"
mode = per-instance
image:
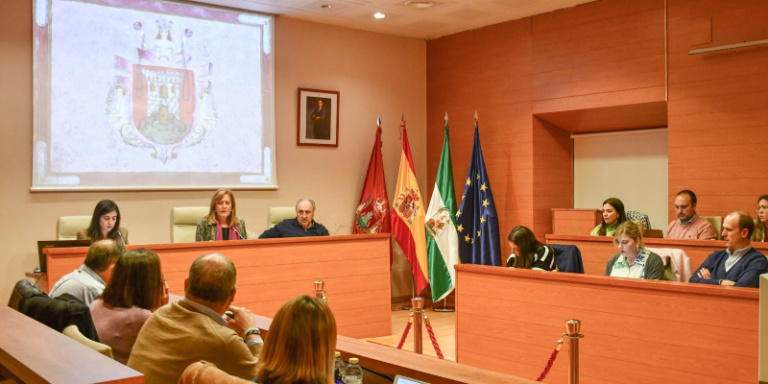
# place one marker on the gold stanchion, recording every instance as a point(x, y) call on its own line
point(572, 328)
point(319, 292)
point(417, 304)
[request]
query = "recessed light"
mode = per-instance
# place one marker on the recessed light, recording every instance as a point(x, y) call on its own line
point(419, 4)
point(379, 15)
point(326, 6)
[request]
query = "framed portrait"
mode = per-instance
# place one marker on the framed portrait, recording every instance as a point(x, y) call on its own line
point(318, 118)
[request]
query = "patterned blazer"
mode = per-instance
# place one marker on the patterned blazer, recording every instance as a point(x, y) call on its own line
point(207, 232)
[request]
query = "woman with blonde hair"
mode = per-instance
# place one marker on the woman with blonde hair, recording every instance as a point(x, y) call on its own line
point(633, 260)
point(222, 222)
point(137, 289)
point(300, 345)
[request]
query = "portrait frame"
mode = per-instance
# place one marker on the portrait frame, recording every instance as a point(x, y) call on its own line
point(318, 118)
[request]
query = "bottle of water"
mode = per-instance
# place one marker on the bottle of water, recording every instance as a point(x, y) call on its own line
point(353, 373)
point(338, 369)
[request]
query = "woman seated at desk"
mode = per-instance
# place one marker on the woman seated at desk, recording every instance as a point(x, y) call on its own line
point(613, 215)
point(762, 219)
point(137, 289)
point(529, 253)
point(633, 260)
point(222, 222)
point(105, 224)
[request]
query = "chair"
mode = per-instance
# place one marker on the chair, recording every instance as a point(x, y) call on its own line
point(67, 227)
point(568, 258)
point(21, 292)
point(73, 333)
point(680, 262)
point(653, 233)
point(639, 216)
point(184, 223)
point(278, 214)
point(717, 224)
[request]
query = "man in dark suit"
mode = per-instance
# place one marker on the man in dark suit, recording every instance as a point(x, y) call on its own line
point(320, 125)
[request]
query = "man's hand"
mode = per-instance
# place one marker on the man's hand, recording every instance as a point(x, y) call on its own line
point(166, 294)
point(727, 282)
point(243, 321)
point(704, 274)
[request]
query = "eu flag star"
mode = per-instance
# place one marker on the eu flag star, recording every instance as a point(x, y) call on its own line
point(460, 228)
point(469, 181)
point(483, 187)
point(478, 176)
point(458, 213)
point(485, 203)
point(466, 238)
point(482, 220)
point(478, 233)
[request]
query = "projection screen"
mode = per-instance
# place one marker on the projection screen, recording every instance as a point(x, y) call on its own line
point(151, 95)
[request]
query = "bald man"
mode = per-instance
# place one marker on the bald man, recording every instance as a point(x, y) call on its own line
point(302, 225)
point(194, 328)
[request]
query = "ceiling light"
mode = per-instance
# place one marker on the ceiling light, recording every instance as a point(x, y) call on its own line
point(419, 4)
point(326, 6)
point(379, 15)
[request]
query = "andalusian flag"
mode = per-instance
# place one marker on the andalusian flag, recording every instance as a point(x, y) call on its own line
point(443, 241)
point(408, 217)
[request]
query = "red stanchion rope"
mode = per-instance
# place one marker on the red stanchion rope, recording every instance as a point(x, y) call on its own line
point(433, 338)
point(405, 333)
point(550, 361)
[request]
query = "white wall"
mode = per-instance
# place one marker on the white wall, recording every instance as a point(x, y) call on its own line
point(376, 74)
point(631, 166)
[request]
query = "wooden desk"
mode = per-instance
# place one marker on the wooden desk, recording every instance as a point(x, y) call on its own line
point(635, 330)
point(34, 353)
point(596, 250)
point(571, 221)
point(355, 269)
point(392, 361)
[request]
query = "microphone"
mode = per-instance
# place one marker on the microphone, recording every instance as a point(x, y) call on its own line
point(238, 232)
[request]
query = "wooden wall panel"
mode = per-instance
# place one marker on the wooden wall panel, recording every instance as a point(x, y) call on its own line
point(622, 319)
point(718, 106)
point(487, 70)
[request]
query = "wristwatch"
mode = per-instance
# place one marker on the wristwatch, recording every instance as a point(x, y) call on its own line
point(252, 331)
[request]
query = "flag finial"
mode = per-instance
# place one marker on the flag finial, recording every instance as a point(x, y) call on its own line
point(446, 117)
point(378, 121)
point(476, 118)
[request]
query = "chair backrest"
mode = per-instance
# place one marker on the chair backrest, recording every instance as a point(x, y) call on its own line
point(639, 216)
point(73, 333)
point(653, 233)
point(278, 214)
point(184, 223)
point(568, 258)
point(717, 224)
point(67, 227)
point(681, 263)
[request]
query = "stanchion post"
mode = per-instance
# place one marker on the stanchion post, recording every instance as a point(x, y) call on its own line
point(319, 292)
point(417, 304)
point(572, 328)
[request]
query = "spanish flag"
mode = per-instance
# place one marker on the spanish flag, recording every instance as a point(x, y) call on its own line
point(408, 217)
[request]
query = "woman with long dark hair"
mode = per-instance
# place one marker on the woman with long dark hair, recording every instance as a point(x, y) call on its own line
point(613, 215)
point(528, 252)
point(761, 223)
point(105, 224)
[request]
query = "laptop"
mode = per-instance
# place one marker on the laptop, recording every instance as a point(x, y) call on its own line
point(407, 380)
point(42, 244)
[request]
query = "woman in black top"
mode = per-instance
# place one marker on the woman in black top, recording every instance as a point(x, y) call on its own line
point(529, 253)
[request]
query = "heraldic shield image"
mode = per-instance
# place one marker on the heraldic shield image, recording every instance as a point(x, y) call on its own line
point(161, 99)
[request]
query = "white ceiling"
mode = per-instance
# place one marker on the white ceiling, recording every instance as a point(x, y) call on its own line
point(446, 17)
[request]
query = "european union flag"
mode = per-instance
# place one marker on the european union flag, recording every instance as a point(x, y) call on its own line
point(476, 220)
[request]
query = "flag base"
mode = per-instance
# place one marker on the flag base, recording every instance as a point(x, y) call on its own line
point(444, 309)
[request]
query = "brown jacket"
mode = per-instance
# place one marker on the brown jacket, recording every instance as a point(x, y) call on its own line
point(177, 335)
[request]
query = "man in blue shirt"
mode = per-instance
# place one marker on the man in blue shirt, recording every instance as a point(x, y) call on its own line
point(739, 264)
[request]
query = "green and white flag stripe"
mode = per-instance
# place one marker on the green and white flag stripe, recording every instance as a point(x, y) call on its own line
point(442, 239)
